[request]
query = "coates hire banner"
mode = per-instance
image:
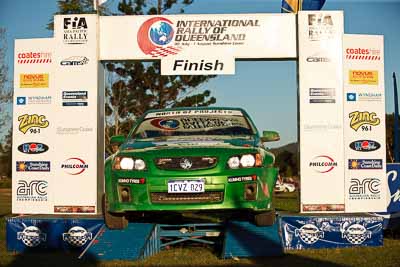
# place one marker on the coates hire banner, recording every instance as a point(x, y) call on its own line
point(198, 44)
point(364, 123)
point(321, 111)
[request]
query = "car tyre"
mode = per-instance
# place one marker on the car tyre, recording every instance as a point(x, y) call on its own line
point(113, 221)
point(265, 218)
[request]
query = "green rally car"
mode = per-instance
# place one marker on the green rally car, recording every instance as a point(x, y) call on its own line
point(190, 159)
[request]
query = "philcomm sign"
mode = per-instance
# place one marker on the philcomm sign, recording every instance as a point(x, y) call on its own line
point(198, 44)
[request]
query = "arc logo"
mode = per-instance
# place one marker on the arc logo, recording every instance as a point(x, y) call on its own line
point(33, 148)
point(364, 186)
point(154, 37)
point(35, 190)
point(365, 145)
point(74, 166)
point(323, 164)
point(360, 118)
point(28, 121)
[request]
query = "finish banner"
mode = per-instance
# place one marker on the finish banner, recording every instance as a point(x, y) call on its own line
point(364, 123)
point(194, 44)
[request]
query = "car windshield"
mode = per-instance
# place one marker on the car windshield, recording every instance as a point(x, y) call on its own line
point(184, 123)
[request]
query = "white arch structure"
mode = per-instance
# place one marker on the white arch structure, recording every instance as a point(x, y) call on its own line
point(59, 100)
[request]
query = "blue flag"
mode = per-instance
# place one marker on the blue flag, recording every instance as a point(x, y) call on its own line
point(293, 6)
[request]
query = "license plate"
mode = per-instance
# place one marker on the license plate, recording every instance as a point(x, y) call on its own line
point(186, 186)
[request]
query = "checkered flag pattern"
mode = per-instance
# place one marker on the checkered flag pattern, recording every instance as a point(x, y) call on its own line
point(77, 240)
point(164, 51)
point(308, 238)
point(30, 240)
point(356, 239)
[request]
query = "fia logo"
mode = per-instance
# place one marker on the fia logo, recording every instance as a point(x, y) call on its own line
point(75, 23)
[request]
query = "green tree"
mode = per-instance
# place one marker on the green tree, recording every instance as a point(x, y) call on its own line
point(390, 136)
point(77, 7)
point(133, 87)
point(5, 110)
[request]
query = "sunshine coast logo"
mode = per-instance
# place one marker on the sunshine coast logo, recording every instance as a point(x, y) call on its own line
point(154, 37)
point(32, 122)
point(364, 119)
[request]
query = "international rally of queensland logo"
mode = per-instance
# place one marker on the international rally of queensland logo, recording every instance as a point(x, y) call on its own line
point(155, 36)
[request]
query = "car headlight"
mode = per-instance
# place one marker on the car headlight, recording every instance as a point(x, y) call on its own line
point(245, 161)
point(127, 163)
point(140, 165)
point(234, 162)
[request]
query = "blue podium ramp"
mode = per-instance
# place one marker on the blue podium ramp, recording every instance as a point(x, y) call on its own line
point(137, 241)
point(244, 239)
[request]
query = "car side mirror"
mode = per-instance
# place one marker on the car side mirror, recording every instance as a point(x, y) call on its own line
point(117, 140)
point(270, 136)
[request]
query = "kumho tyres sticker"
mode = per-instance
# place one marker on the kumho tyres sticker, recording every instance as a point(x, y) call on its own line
point(32, 122)
point(364, 119)
point(369, 77)
point(34, 80)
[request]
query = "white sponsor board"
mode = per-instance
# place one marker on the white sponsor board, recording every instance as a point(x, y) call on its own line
point(55, 118)
point(33, 123)
point(76, 75)
point(188, 36)
point(321, 111)
point(364, 123)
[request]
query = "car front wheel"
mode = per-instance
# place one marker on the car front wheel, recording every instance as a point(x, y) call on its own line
point(113, 221)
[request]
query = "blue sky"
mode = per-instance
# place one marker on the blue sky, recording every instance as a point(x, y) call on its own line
point(267, 90)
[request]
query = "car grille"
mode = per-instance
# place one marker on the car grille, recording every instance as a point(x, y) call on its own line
point(205, 197)
point(186, 163)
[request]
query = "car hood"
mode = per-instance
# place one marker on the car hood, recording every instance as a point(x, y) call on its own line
point(135, 145)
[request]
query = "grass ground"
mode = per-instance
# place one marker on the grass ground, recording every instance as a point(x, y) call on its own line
point(388, 255)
